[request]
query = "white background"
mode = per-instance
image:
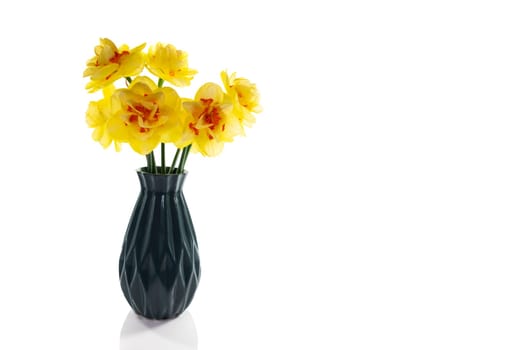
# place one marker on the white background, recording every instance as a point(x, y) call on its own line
point(369, 208)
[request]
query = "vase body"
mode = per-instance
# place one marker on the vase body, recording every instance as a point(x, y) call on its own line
point(159, 262)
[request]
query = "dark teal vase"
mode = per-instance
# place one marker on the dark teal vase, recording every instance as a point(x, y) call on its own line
point(159, 262)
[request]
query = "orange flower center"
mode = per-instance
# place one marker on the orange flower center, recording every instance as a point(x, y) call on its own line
point(118, 56)
point(143, 116)
point(211, 113)
point(196, 131)
point(210, 118)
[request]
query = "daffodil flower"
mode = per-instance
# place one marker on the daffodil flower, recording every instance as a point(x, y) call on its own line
point(97, 116)
point(146, 115)
point(211, 121)
point(245, 95)
point(169, 64)
point(111, 63)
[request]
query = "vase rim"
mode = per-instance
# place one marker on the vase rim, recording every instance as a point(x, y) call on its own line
point(142, 170)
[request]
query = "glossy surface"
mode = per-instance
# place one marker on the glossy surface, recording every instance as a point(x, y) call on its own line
point(159, 264)
point(140, 333)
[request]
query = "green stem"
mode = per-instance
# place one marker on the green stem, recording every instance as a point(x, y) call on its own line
point(128, 79)
point(183, 159)
point(154, 169)
point(149, 162)
point(160, 82)
point(163, 158)
point(172, 168)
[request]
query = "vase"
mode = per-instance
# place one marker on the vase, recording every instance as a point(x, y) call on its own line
point(159, 263)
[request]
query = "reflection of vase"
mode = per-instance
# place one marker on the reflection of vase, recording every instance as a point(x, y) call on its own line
point(159, 262)
point(140, 333)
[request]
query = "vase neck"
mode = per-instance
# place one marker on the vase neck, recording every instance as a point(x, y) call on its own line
point(161, 183)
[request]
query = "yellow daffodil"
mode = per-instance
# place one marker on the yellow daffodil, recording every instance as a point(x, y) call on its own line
point(111, 63)
point(169, 64)
point(245, 95)
point(97, 116)
point(145, 115)
point(211, 121)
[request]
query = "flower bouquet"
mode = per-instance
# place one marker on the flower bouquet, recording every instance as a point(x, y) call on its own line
point(159, 265)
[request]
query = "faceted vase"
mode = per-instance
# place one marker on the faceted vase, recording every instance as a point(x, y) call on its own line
point(159, 262)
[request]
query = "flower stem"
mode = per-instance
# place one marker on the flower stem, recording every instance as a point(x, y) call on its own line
point(150, 161)
point(128, 80)
point(172, 168)
point(160, 82)
point(163, 158)
point(183, 159)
